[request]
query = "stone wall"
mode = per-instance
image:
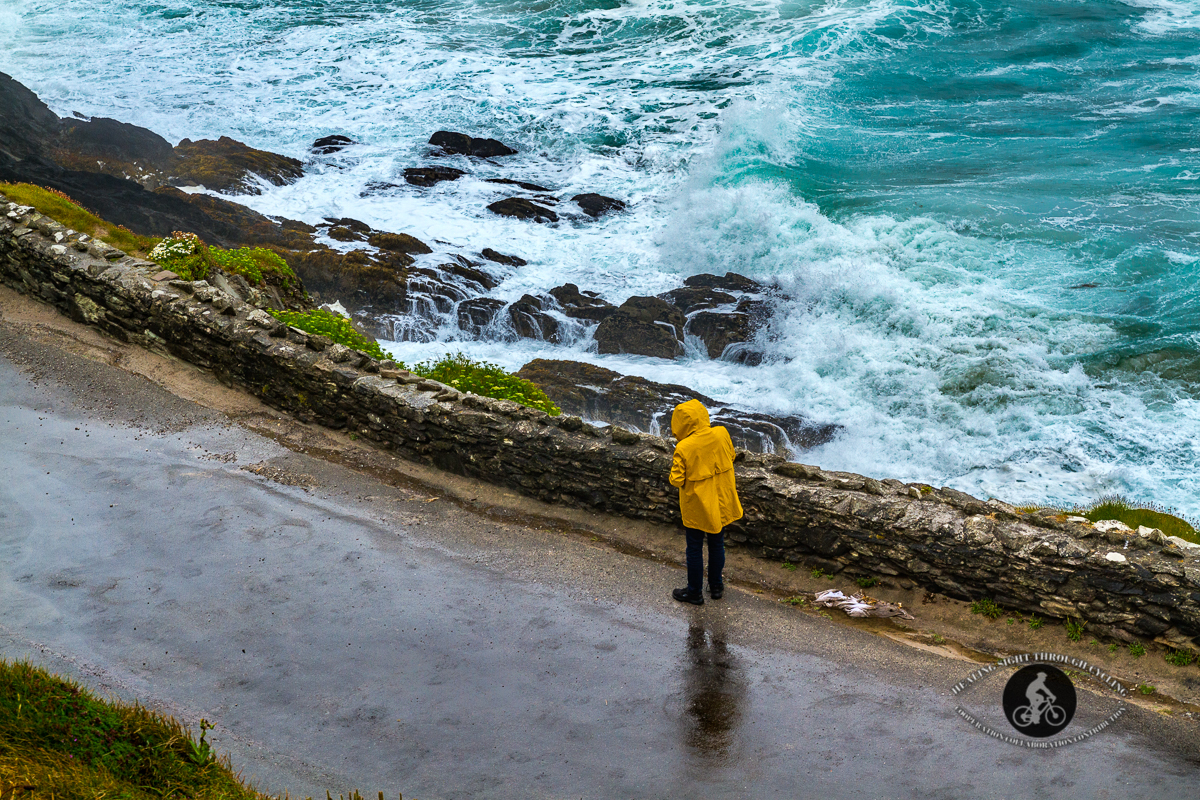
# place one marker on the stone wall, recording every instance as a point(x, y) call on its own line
point(941, 539)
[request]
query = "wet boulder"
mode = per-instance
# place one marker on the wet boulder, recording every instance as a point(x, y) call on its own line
point(582, 305)
point(530, 320)
point(328, 145)
point(597, 205)
point(453, 143)
point(729, 282)
point(694, 298)
point(645, 326)
point(429, 176)
point(521, 208)
point(469, 271)
point(604, 396)
point(500, 258)
point(477, 313)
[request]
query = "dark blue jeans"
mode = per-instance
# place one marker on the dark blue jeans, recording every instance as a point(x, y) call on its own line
point(695, 559)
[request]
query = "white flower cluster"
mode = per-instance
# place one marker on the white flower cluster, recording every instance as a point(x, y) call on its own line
point(178, 246)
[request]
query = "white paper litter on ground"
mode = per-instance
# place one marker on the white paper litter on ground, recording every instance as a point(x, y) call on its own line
point(856, 606)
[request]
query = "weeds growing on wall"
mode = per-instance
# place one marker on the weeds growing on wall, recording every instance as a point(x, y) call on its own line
point(987, 607)
point(485, 379)
point(335, 326)
point(63, 209)
point(64, 741)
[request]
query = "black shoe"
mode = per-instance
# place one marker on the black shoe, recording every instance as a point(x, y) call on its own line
point(686, 596)
point(715, 592)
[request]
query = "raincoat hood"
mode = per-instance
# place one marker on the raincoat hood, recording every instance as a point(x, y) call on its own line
point(688, 418)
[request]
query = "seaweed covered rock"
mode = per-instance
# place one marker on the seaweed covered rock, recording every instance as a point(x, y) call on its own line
point(645, 326)
point(603, 395)
point(227, 165)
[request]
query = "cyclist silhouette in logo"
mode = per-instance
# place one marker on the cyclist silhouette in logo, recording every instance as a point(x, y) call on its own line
point(1041, 699)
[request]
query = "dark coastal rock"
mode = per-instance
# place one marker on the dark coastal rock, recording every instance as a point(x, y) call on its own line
point(328, 145)
point(399, 243)
point(500, 258)
point(724, 311)
point(646, 326)
point(106, 139)
point(429, 176)
point(340, 233)
point(531, 322)
point(597, 205)
point(529, 187)
point(26, 123)
point(601, 395)
point(582, 305)
point(521, 208)
point(226, 165)
point(453, 143)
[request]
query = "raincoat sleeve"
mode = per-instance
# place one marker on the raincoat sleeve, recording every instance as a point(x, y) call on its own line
point(678, 473)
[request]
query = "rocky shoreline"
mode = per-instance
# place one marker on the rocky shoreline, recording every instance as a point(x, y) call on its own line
point(394, 285)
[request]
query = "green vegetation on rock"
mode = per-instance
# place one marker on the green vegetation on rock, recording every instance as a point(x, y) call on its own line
point(63, 209)
point(59, 740)
point(334, 326)
point(193, 260)
point(1149, 515)
point(485, 379)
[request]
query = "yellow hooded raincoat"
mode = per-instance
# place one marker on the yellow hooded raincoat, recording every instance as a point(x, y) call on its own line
point(703, 470)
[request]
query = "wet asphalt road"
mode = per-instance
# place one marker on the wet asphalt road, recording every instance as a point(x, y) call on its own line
point(342, 633)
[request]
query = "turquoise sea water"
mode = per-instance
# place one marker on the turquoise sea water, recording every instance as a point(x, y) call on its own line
point(930, 181)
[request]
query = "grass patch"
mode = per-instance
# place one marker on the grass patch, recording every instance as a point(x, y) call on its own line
point(1075, 629)
point(1180, 658)
point(1035, 622)
point(66, 742)
point(1146, 688)
point(485, 379)
point(819, 573)
point(795, 600)
point(1137, 650)
point(1149, 514)
point(987, 608)
point(866, 583)
point(335, 326)
point(63, 209)
point(789, 566)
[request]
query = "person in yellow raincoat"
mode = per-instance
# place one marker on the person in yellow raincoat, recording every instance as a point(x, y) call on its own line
point(708, 500)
